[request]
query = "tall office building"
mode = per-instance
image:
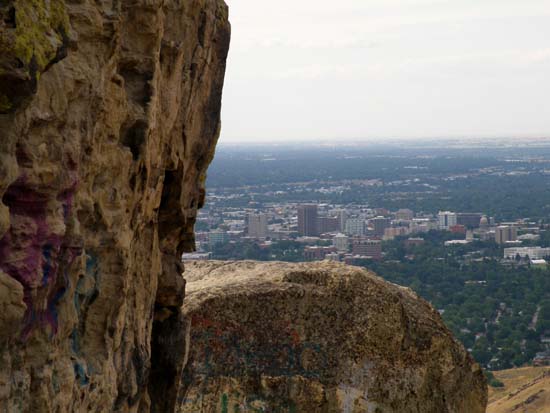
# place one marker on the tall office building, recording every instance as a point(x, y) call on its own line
point(446, 219)
point(504, 233)
point(257, 225)
point(355, 226)
point(380, 224)
point(307, 220)
point(342, 218)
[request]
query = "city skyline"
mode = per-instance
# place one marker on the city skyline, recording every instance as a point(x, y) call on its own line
point(467, 228)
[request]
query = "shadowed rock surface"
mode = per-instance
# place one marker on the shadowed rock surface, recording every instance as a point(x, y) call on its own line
point(323, 337)
point(109, 115)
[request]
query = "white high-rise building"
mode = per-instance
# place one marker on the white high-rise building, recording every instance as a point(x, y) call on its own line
point(257, 225)
point(446, 219)
point(342, 218)
point(341, 242)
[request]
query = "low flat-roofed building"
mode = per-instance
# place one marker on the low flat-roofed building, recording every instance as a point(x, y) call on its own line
point(412, 242)
point(538, 263)
point(534, 253)
point(457, 242)
point(317, 253)
point(195, 256)
point(367, 247)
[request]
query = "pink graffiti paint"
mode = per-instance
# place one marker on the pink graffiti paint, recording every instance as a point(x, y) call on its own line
point(31, 252)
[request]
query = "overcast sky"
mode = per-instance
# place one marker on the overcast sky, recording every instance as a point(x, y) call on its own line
point(302, 70)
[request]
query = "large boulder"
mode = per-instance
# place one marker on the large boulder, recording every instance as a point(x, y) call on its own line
point(318, 337)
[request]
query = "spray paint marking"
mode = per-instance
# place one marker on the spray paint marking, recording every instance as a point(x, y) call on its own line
point(31, 251)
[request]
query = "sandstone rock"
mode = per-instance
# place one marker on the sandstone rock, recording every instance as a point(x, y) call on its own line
point(323, 337)
point(34, 35)
point(109, 115)
point(12, 307)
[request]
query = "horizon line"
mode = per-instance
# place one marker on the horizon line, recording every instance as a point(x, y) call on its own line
point(382, 140)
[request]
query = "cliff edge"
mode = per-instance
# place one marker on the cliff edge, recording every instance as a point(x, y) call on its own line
point(109, 115)
point(318, 337)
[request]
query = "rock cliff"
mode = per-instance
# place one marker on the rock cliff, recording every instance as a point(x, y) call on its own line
point(109, 115)
point(324, 337)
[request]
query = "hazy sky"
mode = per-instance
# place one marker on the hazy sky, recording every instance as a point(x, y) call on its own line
point(362, 69)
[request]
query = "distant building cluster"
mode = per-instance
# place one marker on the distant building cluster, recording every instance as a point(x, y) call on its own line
point(351, 233)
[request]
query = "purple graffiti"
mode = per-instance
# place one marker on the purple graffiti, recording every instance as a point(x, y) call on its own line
point(31, 251)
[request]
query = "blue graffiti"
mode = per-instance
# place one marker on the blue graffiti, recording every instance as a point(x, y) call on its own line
point(47, 266)
point(75, 341)
point(82, 298)
point(52, 314)
point(80, 374)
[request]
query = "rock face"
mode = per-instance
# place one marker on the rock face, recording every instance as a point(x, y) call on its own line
point(279, 337)
point(109, 115)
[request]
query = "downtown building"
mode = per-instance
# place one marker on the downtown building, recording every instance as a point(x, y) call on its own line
point(379, 225)
point(470, 220)
point(391, 233)
point(504, 234)
point(317, 253)
point(534, 253)
point(419, 225)
point(342, 216)
point(328, 224)
point(341, 242)
point(217, 237)
point(307, 220)
point(446, 219)
point(257, 225)
point(404, 214)
point(366, 247)
point(355, 226)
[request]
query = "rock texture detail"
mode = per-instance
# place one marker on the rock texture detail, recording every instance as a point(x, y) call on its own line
point(109, 115)
point(279, 337)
